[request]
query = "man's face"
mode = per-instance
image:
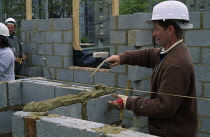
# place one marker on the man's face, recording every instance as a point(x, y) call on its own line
point(11, 28)
point(161, 35)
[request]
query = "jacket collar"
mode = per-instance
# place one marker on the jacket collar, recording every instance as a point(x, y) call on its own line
point(163, 51)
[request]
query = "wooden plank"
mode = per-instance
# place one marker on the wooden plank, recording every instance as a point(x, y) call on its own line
point(115, 7)
point(76, 32)
point(28, 9)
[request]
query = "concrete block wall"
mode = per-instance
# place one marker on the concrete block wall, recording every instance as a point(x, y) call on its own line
point(16, 123)
point(48, 45)
point(15, 94)
point(64, 126)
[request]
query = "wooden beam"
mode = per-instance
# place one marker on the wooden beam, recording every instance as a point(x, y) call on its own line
point(115, 7)
point(28, 9)
point(76, 32)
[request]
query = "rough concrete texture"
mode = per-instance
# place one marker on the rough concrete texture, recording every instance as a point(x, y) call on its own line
point(68, 126)
point(68, 99)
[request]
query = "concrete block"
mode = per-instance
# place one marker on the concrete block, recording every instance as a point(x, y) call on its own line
point(66, 75)
point(98, 110)
point(195, 19)
point(202, 135)
point(139, 37)
point(28, 25)
point(18, 123)
point(139, 21)
point(29, 47)
point(37, 60)
point(122, 81)
point(24, 36)
point(38, 37)
point(15, 93)
point(112, 50)
point(63, 50)
point(199, 89)
point(68, 36)
point(54, 61)
point(62, 23)
point(206, 20)
point(139, 121)
point(119, 69)
point(124, 22)
point(205, 125)
point(202, 107)
point(202, 73)
point(138, 73)
point(193, 37)
point(3, 97)
point(127, 122)
point(68, 61)
point(5, 122)
point(66, 126)
point(62, 90)
point(49, 72)
point(113, 22)
point(195, 53)
point(142, 85)
point(118, 37)
point(74, 110)
point(35, 72)
point(128, 114)
point(54, 37)
point(124, 48)
point(40, 92)
point(44, 24)
point(205, 55)
point(83, 76)
point(104, 78)
point(206, 90)
point(45, 49)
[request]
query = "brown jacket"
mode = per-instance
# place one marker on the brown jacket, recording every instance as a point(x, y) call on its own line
point(168, 116)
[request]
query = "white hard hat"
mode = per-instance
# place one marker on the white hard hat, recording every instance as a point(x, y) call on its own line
point(170, 10)
point(10, 20)
point(4, 31)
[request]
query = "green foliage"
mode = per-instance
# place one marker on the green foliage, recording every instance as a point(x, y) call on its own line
point(133, 6)
point(84, 40)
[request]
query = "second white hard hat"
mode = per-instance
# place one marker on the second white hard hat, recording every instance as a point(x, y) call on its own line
point(4, 30)
point(11, 20)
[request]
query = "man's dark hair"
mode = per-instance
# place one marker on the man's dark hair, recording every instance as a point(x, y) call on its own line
point(165, 24)
point(4, 41)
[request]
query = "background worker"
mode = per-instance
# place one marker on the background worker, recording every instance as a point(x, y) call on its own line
point(7, 60)
point(173, 74)
point(15, 45)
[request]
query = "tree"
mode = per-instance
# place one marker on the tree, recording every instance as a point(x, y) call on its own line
point(133, 6)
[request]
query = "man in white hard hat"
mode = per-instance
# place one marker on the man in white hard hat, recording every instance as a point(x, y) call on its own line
point(170, 113)
point(7, 60)
point(15, 45)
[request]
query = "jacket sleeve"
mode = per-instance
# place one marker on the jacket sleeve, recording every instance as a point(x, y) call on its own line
point(4, 62)
point(143, 57)
point(174, 82)
point(20, 47)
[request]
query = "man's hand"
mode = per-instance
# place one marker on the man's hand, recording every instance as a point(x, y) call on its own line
point(24, 57)
point(120, 103)
point(17, 59)
point(115, 59)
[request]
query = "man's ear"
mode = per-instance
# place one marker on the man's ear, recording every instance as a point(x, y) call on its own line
point(171, 29)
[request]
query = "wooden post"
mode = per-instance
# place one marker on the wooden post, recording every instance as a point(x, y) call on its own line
point(115, 7)
point(28, 9)
point(76, 32)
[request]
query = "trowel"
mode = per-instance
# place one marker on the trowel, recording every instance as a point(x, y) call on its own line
point(99, 55)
